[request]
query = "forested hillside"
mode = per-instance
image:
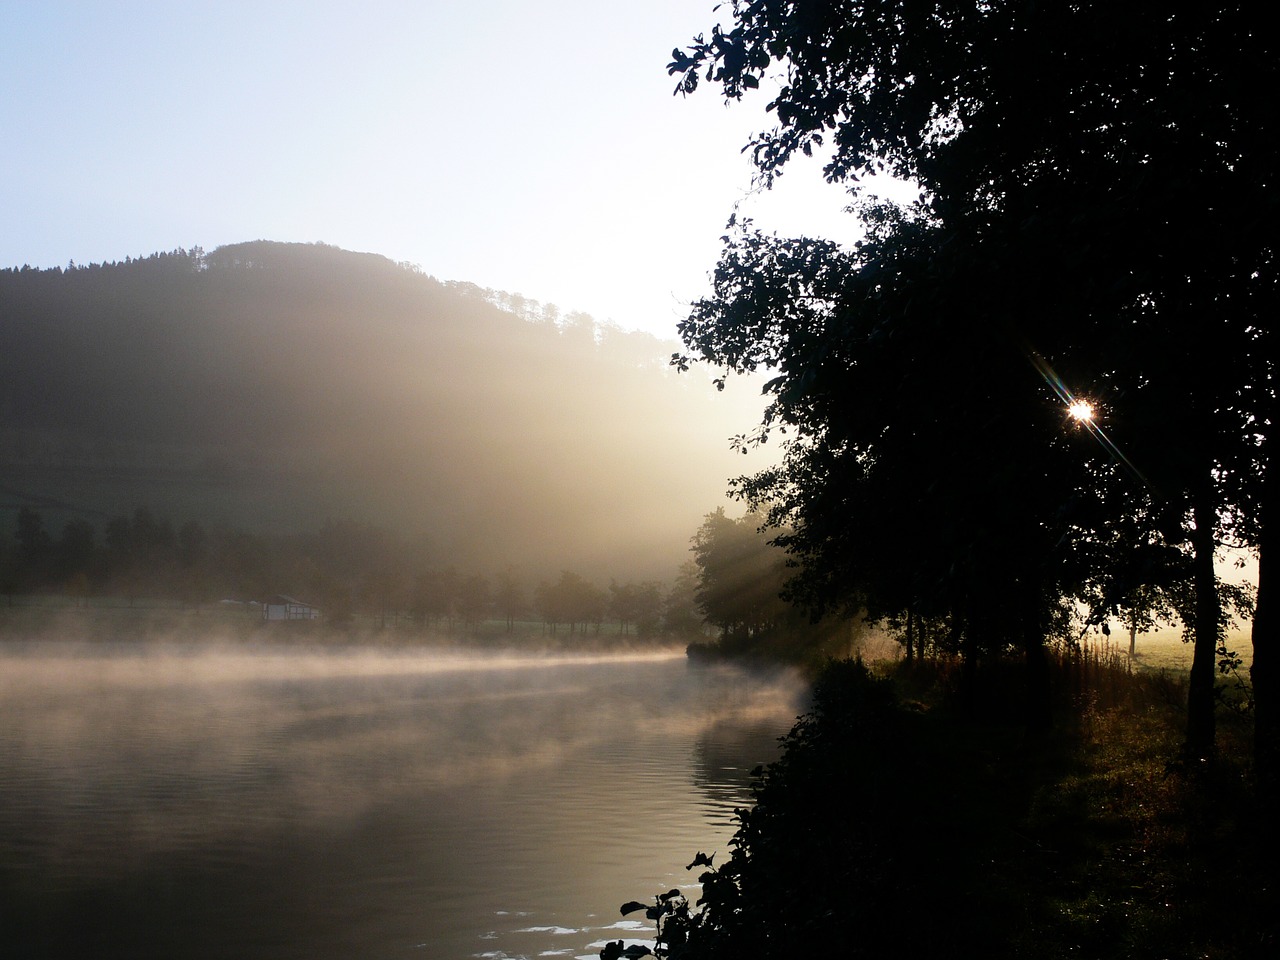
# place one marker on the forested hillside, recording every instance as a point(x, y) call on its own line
point(273, 386)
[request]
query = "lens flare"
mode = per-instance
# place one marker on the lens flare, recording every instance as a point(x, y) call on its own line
point(1081, 411)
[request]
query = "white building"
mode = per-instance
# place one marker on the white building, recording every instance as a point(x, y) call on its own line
point(287, 608)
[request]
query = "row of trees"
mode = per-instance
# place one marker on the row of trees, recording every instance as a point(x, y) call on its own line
point(344, 568)
point(141, 554)
point(1095, 226)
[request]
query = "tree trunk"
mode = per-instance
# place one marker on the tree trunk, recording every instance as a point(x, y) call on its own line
point(1039, 704)
point(1266, 733)
point(910, 634)
point(1200, 699)
point(965, 633)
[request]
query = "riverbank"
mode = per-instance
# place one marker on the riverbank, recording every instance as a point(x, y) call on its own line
point(894, 825)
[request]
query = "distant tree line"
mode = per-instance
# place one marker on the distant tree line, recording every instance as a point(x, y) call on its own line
point(345, 568)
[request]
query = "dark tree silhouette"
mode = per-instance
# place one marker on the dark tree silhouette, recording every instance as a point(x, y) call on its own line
point(474, 600)
point(636, 604)
point(1096, 192)
point(75, 555)
point(680, 614)
point(34, 548)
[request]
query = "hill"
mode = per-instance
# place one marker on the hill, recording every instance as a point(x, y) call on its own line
point(273, 386)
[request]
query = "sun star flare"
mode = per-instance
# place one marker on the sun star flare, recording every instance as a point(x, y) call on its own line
point(1081, 411)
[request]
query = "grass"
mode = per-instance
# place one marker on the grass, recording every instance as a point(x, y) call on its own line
point(1133, 854)
point(1164, 649)
point(1088, 840)
point(1114, 848)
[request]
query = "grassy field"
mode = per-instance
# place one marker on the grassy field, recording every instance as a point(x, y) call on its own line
point(1165, 649)
point(1131, 853)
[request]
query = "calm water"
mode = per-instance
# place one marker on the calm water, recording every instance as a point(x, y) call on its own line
point(198, 803)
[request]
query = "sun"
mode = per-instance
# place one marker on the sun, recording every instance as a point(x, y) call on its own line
point(1081, 411)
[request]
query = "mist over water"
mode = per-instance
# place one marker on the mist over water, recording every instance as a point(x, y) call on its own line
point(186, 800)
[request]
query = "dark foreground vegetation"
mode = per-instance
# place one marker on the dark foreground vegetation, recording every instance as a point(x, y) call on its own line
point(899, 823)
point(1039, 398)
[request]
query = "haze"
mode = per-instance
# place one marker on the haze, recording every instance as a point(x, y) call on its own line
point(274, 388)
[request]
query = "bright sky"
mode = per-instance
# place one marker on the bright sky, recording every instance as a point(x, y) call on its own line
point(531, 147)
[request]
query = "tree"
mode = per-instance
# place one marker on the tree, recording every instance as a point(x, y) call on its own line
point(474, 601)
point(75, 554)
point(636, 603)
point(35, 548)
point(680, 614)
point(572, 600)
point(193, 543)
point(1096, 190)
point(508, 597)
point(435, 594)
point(740, 578)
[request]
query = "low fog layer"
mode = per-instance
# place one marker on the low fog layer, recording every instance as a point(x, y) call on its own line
point(175, 742)
point(188, 800)
point(272, 386)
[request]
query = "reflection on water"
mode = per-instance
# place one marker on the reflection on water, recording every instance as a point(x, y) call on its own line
point(204, 803)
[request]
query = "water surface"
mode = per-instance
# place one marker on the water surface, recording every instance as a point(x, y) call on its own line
point(184, 801)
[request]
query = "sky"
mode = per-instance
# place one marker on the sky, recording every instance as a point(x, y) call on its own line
point(533, 148)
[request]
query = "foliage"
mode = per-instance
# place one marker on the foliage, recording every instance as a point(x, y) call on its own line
point(1094, 221)
point(571, 600)
point(637, 603)
point(680, 614)
point(740, 577)
point(834, 853)
point(740, 590)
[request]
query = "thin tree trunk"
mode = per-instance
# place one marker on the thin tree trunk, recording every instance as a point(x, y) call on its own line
point(1266, 732)
point(910, 634)
point(1201, 724)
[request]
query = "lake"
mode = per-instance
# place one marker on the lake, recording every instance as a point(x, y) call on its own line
point(183, 801)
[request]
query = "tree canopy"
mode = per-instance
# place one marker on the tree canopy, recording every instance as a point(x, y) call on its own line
point(1097, 185)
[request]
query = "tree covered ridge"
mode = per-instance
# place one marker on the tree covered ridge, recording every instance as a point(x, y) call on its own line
point(271, 385)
